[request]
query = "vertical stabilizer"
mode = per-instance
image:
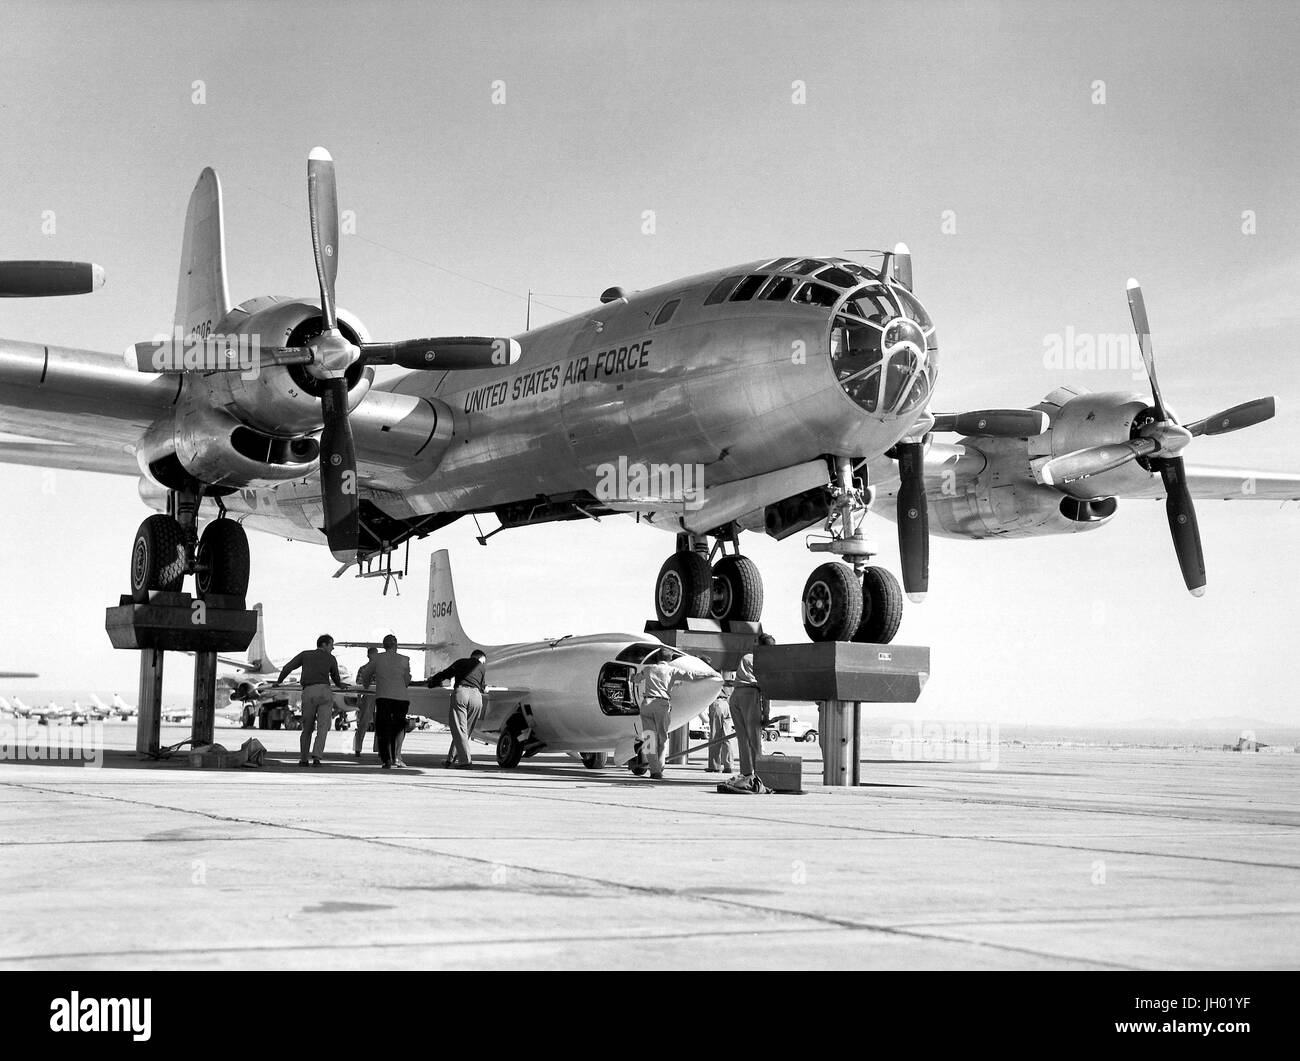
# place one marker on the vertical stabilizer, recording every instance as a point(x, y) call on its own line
point(202, 298)
point(443, 633)
point(257, 661)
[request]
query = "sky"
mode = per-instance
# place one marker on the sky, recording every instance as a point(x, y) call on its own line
point(1032, 156)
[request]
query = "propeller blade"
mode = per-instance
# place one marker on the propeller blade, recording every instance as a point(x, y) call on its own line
point(913, 521)
point(170, 356)
point(1182, 524)
point(338, 473)
point(1248, 414)
point(1137, 309)
point(460, 352)
point(902, 262)
point(323, 203)
point(1083, 463)
point(44, 279)
point(994, 423)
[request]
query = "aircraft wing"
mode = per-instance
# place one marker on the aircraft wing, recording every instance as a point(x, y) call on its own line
point(1233, 484)
point(85, 411)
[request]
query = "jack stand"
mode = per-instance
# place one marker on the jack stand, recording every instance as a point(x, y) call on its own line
point(175, 622)
point(841, 676)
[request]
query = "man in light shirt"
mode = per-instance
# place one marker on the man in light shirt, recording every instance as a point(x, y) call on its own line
point(319, 667)
point(659, 675)
point(747, 719)
point(365, 702)
point(391, 673)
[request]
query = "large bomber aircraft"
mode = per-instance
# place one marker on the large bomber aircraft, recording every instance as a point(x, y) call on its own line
point(769, 397)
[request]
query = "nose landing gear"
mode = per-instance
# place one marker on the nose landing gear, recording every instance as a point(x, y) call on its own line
point(853, 600)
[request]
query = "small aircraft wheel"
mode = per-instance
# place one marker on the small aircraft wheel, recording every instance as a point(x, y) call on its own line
point(509, 750)
point(737, 591)
point(157, 557)
point(683, 589)
point(593, 760)
point(882, 607)
point(832, 603)
point(223, 550)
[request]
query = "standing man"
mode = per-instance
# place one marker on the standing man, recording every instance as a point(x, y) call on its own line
point(661, 672)
point(365, 702)
point(719, 742)
point(466, 704)
point(319, 668)
point(747, 717)
point(391, 672)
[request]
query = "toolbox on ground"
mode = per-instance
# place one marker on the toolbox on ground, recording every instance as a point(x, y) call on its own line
point(781, 773)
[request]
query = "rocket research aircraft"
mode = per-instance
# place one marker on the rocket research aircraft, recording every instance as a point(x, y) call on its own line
point(799, 388)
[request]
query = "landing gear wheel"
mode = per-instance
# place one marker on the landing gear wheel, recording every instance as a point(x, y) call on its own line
point(737, 591)
point(509, 750)
point(593, 760)
point(248, 719)
point(832, 603)
point(157, 558)
point(882, 607)
point(223, 550)
point(683, 589)
point(638, 769)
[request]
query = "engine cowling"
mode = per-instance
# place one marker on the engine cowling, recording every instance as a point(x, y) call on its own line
point(1081, 419)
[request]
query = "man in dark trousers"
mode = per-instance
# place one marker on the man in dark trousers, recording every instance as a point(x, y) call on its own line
point(365, 703)
point(747, 718)
point(470, 674)
point(319, 667)
point(391, 672)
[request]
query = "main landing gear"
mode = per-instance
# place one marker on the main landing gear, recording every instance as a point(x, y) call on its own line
point(169, 547)
point(847, 599)
point(699, 583)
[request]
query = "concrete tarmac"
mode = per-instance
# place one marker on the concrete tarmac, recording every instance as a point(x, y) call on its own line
point(1059, 858)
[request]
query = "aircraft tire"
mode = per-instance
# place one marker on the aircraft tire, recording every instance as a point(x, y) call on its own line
point(736, 590)
point(157, 557)
point(683, 590)
point(832, 603)
point(882, 607)
point(593, 760)
point(223, 547)
point(509, 750)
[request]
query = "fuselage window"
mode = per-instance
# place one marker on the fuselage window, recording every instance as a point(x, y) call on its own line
point(719, 293)
point(748, 288)
point(666, 314)
point(779, 289)
point(817, 295)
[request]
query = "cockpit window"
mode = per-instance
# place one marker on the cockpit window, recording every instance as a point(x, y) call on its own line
point(779, 289)
point(748, 288)
point(871, 304)
point(779, 264)
point(860, 271)
point(724, 288)
point(637, 653)
point(837, 276)
point(881, 364)
point(913, 308)
point(815, 294)
point(808, 265)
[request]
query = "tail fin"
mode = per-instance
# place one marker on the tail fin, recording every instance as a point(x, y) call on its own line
point(257, 647)
point(443, 633)
point(202, 298)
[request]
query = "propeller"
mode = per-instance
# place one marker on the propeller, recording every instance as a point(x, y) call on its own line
point(1160, 440)
point(913, 520)
point(994, 423)
point(328, 358)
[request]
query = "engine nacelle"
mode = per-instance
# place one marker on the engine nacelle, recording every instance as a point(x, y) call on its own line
point(280, 401)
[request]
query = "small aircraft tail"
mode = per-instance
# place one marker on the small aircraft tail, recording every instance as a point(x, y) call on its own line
point(443, 633)
point(94, 699)
point(256, 655)
point(202, 296)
